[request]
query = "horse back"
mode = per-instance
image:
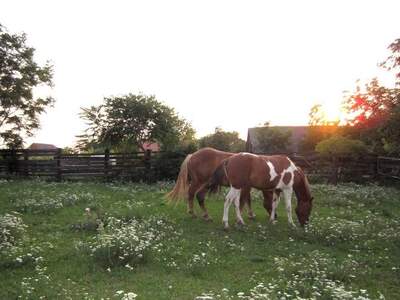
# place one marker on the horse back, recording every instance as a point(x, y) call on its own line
point(204, 162)
point(258, 171)
point(246, 170)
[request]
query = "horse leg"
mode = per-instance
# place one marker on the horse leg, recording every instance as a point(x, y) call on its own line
point(230, 197)
point(245, 199)
point(237, 209)
point(192, 191)
point(200, 198)
point(277, 198)
point(287, 195)
point(268, 202)
point(273, 198)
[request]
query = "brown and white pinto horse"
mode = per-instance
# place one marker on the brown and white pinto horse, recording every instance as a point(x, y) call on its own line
point(194, 175)
point(272, 175)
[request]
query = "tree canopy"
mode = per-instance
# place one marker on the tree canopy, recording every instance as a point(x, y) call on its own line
point(337, 146)
point(393, 61)
point(223, 140)
point(320, 128)
point(273, 140)
point(376, 115)
point(375, 110)
point(19, 75)
point(131, 120)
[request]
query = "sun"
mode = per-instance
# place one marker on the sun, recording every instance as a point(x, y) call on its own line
point(332, 112)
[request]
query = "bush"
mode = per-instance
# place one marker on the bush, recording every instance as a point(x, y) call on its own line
point(337, 146)
point(166, 166)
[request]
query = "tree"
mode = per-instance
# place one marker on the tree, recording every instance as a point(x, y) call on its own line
point(374, 112)
point(19, 75)
point(337, 147)
point(223, 140)
point(319, 128)
point(390, 133)
point(132, 120)
point(273, 140)
point(393, 61)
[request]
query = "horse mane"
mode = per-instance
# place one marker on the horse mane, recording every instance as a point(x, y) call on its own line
point(180, 190)
point(303, 186)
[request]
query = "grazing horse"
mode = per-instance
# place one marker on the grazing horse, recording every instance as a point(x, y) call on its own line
point(272, 175)
point(194, 175)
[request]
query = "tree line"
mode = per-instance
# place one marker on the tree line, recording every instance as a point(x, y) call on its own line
point(125, 123)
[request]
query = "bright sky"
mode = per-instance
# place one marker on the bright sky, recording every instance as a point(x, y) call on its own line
point(233, 64)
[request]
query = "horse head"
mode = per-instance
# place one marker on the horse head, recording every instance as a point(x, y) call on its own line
point(304, 198)
point(303, 211)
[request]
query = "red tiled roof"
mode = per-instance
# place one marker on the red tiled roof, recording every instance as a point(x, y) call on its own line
point(151, 146)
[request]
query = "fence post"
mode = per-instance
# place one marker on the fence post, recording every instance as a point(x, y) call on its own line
point(57, 157)
point(147, 164)
point(106, 163)
point(12, 162)
point(26, 162)
point(335, 171)
point(376, 168)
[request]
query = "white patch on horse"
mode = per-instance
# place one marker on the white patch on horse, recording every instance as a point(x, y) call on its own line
point(291, 169)
point(272, 172)
point(287, 190)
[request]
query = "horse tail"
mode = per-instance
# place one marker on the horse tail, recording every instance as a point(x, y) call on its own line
point(181, 188)
point(218, 178)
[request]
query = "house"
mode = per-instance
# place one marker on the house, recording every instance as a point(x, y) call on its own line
point(40, 146)
point(297, 135)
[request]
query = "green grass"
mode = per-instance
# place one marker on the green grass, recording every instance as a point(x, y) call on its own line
point(351, 248)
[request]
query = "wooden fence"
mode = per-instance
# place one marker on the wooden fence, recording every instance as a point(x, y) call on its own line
point(339, 169)
point(152, 166)
point(137, 166)
point(388, 167)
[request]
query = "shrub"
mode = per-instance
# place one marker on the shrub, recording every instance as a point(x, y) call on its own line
point(337, 146)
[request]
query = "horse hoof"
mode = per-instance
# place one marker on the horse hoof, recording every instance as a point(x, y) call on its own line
point(226, 225)
point(240, 223)
point(252, 217)
point(193, 215)
point(207, 218)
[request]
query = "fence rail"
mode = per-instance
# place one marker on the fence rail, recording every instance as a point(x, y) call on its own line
point(153, 166)
point(137, 166)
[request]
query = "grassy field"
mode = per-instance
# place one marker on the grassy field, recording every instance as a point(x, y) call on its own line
point(121, 241)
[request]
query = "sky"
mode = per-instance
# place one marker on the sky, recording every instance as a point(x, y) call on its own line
point(229, 64)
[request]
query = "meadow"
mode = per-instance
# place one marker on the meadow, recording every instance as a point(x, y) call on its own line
point(80, 240)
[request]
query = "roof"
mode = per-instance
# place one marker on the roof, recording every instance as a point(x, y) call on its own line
point(40, 146)
point(151, 146)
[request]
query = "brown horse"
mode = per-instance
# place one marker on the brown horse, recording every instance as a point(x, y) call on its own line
point(272, 175)
point(194, 175)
